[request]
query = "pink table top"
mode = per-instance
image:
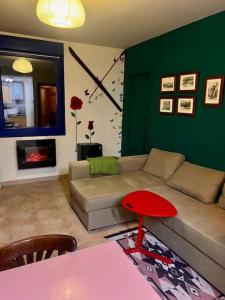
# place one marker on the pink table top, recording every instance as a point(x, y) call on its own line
point(96, 273)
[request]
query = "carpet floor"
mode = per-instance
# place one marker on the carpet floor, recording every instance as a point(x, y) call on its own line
point(38, 208)
point(175, 281)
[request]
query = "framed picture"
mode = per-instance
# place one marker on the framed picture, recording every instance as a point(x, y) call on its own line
point(186, 105)
point(166, 105)
point(214, 87)
point(189, 82)
point(168, 84)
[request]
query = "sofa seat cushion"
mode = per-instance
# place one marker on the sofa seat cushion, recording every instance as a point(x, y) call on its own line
point(200, 224)
point(199, 182)
point(162, 164)
point(107, 191)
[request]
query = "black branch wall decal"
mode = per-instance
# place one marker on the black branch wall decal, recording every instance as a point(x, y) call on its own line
point(95, 78)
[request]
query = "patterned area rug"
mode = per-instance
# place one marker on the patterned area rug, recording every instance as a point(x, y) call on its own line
point(174, 281)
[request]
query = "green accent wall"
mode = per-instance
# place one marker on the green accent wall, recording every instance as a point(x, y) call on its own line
point(199, 46)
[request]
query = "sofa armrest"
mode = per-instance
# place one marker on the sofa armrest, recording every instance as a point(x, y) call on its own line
point(78, 169)
point(132, 163)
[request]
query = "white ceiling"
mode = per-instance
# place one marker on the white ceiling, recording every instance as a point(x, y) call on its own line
point(115, 23)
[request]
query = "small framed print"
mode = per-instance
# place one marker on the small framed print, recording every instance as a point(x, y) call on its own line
point(186, 105)
point(189, 82)
point(166, 105)
point(168, 84)
point(214, 87)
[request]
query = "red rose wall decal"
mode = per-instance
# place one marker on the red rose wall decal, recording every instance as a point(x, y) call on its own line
point(90, 127)
point(76, 104)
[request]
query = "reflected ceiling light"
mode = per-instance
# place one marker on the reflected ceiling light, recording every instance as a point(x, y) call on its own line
point(61, 13)
point(8, 80)
point(22, 65)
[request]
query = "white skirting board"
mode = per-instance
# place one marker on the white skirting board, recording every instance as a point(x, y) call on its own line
point(30, 180)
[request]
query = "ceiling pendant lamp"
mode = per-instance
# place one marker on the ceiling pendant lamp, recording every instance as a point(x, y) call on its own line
point(22, 65)
point(61, 13)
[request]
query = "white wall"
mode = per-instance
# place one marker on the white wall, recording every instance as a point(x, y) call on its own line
point(107, 119)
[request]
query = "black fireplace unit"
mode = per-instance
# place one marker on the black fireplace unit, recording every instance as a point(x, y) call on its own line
point(36, 154)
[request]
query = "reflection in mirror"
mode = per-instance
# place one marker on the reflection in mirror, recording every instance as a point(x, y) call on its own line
point(29, 92)
point(48, 105)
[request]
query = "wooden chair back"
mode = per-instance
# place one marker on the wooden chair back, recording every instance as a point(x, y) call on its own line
point(35, 249)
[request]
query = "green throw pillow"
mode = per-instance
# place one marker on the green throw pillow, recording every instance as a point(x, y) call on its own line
point(106, 165)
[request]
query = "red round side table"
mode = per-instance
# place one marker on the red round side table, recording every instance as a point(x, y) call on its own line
point(146, 203)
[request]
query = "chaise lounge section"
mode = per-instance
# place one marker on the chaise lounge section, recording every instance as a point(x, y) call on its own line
point(97, 199)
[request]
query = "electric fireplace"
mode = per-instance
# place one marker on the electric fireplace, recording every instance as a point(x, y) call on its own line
point(36, 153)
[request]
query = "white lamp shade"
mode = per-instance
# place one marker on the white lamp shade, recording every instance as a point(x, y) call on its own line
point(22, 65)
point(61, 13)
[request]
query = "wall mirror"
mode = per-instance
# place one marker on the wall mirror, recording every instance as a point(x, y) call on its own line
point(31, 88)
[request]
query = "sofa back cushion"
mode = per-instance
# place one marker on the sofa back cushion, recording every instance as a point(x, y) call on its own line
point(162, 163)
point(221, 202)
point(199, 182)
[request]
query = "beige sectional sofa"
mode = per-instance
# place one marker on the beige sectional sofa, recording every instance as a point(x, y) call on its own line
point(197, 233)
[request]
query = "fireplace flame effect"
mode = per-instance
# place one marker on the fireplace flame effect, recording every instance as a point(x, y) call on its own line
point(35, 157)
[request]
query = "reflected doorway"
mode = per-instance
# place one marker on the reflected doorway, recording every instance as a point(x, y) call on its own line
point(47, 105)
